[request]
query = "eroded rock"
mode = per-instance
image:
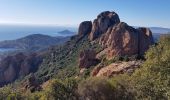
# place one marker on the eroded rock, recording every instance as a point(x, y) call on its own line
point(85, 28)
point(102, 23)
point(118, 68)
point(87, 58)
point(145, 39)
point(18, 65)
point(120, 40)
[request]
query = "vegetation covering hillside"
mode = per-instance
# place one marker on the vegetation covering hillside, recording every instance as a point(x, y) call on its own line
point(151, 81)
point(33, 42)
point(107, 60)
point(62, 61)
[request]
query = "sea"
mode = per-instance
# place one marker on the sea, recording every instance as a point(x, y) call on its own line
point(11, 32)
point(2, 50)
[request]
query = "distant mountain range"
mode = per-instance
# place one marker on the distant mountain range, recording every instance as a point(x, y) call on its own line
point(160, 30)
point(33, 42)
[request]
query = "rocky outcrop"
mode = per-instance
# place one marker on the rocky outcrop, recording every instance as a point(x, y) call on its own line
point(118, 38)
point(96, 70)
point(87, 59)
point(85, 28)
point(121, 39)
point(102, 23)
point(18, 65)
point(145, 39)
point(116, 68)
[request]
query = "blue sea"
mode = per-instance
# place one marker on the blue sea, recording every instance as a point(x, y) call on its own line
point(11, 32)
point(2, 50)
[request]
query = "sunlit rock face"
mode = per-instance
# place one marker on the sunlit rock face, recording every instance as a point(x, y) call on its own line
point(117, 37)
point(102, 23)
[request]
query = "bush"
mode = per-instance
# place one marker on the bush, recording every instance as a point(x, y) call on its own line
point(102, 89)
point(7, 93)
point(95, 89)
point(61, 90)
point(126, 58)
point(152, 81)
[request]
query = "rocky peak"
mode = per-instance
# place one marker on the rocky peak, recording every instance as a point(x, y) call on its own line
point(145, 39)
point(85, 28)
point(102, 23)
point(121, 39)
point(118, 37)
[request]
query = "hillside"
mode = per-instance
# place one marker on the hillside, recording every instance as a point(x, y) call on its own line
point(68, 59)
point(65, 61)
point(107, 60)
point(33, 42)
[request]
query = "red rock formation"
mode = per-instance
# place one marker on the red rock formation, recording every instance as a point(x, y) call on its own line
point(117, 68)
point(102, 23)
point(85, 28)
point(87, 58)
point(117, 37)
point(145, 39)
point(18, 65)
point(96, 70)
point(121, 40)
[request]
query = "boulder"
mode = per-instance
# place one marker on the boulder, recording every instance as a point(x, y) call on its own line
point(87, 58)
point(97, 69)
point(145, 39)
point(117, 68)
point(85, 28)
point(102, 23)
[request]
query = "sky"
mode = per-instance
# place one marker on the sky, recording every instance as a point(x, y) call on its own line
point(151, 13)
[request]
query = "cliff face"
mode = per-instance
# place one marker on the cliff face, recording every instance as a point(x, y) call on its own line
point(117, 37)
point(102, 23)
point(13, 67)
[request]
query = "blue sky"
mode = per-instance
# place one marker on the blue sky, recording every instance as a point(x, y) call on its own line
point(72, 12)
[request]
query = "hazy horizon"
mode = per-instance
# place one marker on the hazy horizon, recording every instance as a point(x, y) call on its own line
point(11, 32)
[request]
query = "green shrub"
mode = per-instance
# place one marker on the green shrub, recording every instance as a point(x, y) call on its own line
point(126, 58)
point(102, 89)
point(61, 90)
point(8, 93)
point(152, 81)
